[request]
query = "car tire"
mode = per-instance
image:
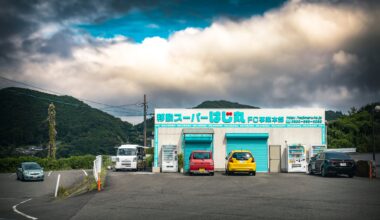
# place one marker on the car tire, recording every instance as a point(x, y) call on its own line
point(323, 172)
point(310, 170)
point(212, 174)
point(254, 173)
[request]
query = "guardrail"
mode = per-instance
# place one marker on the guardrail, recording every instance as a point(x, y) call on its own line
point(97, 169)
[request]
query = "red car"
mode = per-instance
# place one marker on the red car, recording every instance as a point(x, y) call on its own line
point(201, 162)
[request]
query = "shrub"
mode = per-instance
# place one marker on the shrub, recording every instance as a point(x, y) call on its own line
point(10, 164)
point(180, 161)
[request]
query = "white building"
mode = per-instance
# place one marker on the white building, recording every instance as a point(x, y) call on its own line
point(267, 133)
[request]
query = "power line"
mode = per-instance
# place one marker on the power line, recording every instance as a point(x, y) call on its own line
point(62, 94)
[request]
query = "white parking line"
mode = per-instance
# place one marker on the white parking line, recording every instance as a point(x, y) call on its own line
point(85, 173)
point(23, 214)
point(50, 173)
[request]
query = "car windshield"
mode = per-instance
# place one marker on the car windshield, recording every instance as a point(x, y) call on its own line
point(242, 156)
point(126, 152)
point(201, 155)
point(31, 166)
point(337, 156)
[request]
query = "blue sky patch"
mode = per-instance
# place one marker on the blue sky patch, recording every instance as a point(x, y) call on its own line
point(170, 16)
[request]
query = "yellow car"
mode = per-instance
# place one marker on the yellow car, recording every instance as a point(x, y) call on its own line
point(240, 161)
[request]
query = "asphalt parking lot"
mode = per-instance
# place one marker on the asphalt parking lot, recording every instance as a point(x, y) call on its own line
point(139, 195)
point(266, 196)
point(13, 192)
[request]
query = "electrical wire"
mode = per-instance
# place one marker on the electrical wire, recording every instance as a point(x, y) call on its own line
point(62, 94)
point(115, 108)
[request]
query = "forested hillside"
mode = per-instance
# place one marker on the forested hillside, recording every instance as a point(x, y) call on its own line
point(355, 129)
point(80, 128)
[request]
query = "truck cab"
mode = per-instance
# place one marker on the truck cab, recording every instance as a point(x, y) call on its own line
point(128, 157)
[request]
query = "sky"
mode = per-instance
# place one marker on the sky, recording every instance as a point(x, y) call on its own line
point(270, 54)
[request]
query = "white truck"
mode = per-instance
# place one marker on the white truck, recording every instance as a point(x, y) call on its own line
point(130, 157)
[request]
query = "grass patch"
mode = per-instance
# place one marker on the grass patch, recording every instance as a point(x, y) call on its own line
point(88, 183)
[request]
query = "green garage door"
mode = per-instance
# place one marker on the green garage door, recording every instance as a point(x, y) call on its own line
point(195, 142)
point(254, 142)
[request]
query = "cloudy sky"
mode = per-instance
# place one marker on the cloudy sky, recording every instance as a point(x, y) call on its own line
point(180, 53)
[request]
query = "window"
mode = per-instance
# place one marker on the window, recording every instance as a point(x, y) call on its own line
point(126, 152)
point(242, 155)
point(31, 166)
point(201, 155)
point(337, 155)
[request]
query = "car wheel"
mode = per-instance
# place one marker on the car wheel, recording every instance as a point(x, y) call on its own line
point(212, 174)
point(254, 173)
point(323, 172)
point(22, 177)
point(310, 170)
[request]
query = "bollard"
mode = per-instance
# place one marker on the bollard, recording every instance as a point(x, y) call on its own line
point(56, 187)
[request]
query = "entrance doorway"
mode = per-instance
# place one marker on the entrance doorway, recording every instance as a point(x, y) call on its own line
point(274, 158)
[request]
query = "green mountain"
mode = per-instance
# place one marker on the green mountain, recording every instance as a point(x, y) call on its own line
point(81, 129)
point(333, 115)
point(222, 104)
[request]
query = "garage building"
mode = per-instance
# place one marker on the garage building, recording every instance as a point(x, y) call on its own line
point(267, 133)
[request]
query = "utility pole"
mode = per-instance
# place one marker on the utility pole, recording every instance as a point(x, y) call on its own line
point(145, 107)
point(52, 131)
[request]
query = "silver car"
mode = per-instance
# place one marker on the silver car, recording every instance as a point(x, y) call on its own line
point(30, 171)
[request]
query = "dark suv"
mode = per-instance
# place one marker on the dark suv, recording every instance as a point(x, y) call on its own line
point(326, 163)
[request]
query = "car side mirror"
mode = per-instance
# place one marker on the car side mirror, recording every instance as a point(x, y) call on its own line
point(42, 168)
point(226, 158)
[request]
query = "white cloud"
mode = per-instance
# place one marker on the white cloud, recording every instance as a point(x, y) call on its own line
point(270, 60)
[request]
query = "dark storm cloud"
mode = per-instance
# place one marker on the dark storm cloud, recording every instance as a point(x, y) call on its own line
point(20, 19)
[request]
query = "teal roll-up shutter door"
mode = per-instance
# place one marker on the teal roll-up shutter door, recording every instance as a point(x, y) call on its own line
point(257, 143)
point(195, 142)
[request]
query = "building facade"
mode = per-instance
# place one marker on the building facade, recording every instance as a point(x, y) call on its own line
point(267, 133)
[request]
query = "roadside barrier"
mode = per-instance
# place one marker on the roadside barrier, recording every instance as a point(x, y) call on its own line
point(97, 169)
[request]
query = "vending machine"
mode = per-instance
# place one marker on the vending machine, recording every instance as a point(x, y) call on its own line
point(314, 150)
point(169, 157)
point(297, 158)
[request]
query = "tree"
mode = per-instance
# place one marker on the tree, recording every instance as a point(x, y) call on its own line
point(52, 132)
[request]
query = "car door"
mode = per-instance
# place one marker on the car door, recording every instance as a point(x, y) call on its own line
point(226, 162)
point(19, 171)
point(318, 162)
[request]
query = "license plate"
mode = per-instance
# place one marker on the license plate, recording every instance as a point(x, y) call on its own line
point(343, 164)
point(202, 170)
point(242, 161)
